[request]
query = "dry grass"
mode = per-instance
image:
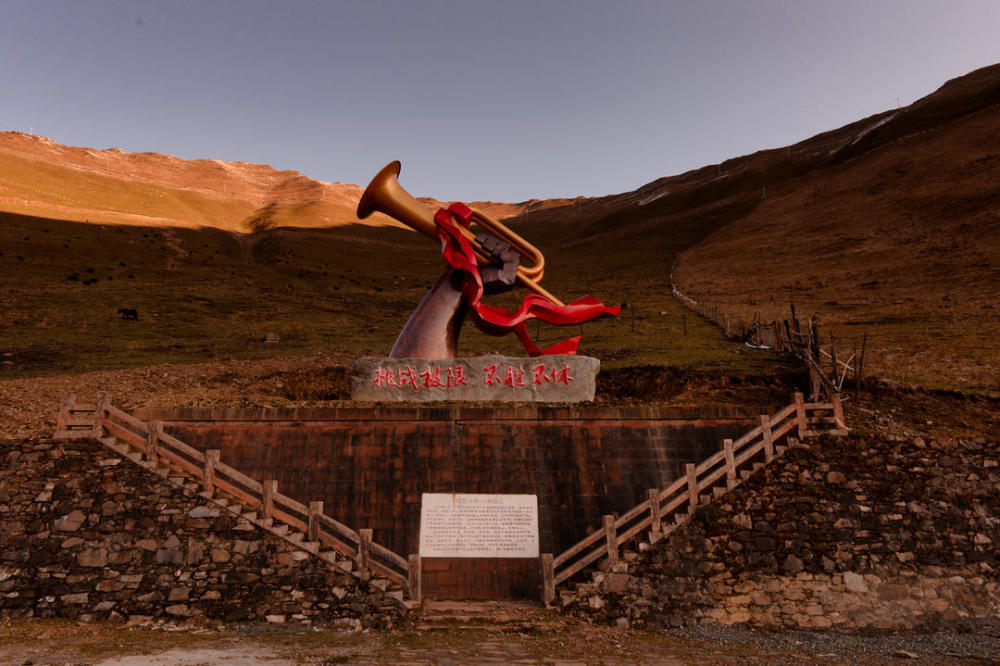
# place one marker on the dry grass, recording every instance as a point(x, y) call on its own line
point(902, 243)
point(206, 295)
point(889, 226)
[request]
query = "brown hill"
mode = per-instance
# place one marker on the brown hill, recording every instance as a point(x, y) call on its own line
point(889, 226)
point(886, 226)
point(41, 177)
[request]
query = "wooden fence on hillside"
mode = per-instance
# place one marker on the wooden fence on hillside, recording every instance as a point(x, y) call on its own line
point(829, 371)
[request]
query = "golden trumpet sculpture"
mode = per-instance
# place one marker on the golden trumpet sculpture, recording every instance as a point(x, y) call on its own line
point(385, 195)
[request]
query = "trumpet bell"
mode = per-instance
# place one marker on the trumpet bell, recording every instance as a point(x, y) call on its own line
point(385, 195)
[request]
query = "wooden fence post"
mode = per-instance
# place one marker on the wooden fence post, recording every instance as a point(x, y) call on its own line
point(860, 363)
point(100, 411)
point(838, 411)
point(413, 576)
point(727, 446)
point(833, 361)
point(548, 579)
point(312, 529)
point(208, 480)
point(268, 490)
point(611, 537)
point(65, 406)
point(692, 483)
point(765, 429)
point(655, 525)
point(153, 431)
point(800, 415)
point(364, 548)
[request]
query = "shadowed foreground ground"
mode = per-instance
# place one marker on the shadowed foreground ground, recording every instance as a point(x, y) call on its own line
point(558, 641)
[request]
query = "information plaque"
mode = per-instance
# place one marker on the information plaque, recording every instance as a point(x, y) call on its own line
point(474, 525)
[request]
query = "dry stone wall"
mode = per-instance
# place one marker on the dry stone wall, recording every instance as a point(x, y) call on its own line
point(86, 534)
point(856, 533)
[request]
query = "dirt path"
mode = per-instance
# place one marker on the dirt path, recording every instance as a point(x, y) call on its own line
point(172, 241)
point(571, 642)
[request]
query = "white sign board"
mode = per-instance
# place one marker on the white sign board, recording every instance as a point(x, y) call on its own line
point(474, 525)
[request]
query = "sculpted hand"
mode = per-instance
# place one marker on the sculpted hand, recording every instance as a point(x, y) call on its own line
point(499, 276)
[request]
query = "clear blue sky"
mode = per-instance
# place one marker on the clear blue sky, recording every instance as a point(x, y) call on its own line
point(500, 100)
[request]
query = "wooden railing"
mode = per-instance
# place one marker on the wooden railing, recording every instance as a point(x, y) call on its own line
point(666, 510)
point(272, 507)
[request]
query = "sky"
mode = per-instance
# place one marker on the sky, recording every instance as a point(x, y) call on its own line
point(480, 100)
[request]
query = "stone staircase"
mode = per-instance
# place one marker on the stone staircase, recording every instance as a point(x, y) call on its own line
point(489, 616)
point(318, 535)
point(666, 510)
point(613, 576)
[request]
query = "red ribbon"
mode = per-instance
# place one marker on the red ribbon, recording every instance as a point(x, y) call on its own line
point(458, 252)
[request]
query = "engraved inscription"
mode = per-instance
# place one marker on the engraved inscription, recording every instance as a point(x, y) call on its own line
point(474, 525)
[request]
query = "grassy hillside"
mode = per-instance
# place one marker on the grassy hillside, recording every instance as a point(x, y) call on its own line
point(888, 226)
point(39, 177)
point(205, 294)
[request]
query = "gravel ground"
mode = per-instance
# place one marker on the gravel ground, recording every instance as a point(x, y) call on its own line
point(40, 642)
point(28, 407)
point(981, 647)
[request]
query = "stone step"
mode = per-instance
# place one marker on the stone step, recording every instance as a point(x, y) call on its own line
point(107, 441)
point(346, 565)
point(679, 518)
point(296, 537)
point(179, 480)
point(746, 474)
point(780, 450)
point(134, 456)
point(718, 491)
point(192, 486)
point(251, 515)
point(311, 546)
point(704, 499)
point(328, 555)
point(280, 530)
point(501, 616)
point(118, 448)
point(266, 522)
point(757, 466)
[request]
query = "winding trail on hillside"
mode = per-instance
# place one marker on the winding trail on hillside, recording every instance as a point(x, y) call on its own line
point(173, 243)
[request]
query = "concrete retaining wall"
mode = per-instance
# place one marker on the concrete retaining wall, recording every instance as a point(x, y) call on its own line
point(370, 465)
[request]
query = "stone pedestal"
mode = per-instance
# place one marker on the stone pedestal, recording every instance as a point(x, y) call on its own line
point(494, 378)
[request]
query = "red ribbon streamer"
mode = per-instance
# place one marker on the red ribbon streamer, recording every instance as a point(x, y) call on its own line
point(458, 252)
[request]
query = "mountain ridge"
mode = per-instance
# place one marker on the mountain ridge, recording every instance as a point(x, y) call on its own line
point(40, 176)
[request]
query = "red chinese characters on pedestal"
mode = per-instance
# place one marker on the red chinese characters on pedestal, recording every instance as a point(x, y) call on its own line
point(542, 374)
point(456, 376)
point(510, 376)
